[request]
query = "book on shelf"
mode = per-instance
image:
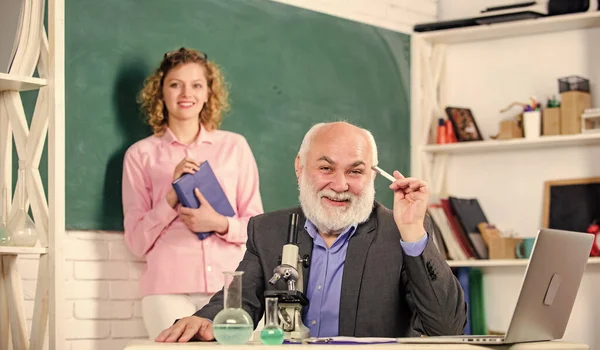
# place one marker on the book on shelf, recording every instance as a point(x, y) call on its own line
point(457, 220)
point(470, 215)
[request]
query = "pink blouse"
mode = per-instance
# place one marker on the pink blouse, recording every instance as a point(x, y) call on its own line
point(177, 261)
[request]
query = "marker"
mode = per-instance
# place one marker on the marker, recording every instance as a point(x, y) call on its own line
point(385, 174)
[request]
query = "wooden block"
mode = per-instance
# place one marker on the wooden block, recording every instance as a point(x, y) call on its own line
point(488, 232)
point(551, 121)
point(510, 129)
point(572, 106)
point(503, 247)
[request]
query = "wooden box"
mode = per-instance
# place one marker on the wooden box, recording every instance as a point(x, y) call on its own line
point(510, 129)
point(572, 106)
point(503, 247)
point(551, 121)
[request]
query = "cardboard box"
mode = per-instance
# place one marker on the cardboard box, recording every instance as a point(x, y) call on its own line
point(503, 247)
point(572, 106)
point(551, 121)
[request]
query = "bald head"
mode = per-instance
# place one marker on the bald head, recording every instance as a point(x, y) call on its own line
point(338, 133)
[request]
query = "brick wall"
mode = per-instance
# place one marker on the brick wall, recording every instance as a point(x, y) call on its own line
point(102, 306)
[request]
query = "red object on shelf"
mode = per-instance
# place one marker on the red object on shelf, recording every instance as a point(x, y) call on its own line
point(595, 230)
point(441, 132)
point(450, 136)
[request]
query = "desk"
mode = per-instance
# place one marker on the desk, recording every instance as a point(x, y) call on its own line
point(551, 345)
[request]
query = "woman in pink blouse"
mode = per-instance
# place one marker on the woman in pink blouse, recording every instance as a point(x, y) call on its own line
point(184, 101)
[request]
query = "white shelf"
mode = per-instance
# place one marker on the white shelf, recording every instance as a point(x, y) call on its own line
point(512, 29)
point(10, 82)
point(500, 262)
point(515, 144)
point(8, 250)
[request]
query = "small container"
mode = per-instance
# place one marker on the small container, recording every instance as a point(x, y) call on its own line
point(573, 83)
point(441, 132)
point(22, 229)
point(4, 233)
point(450, 135)
point(533, 124)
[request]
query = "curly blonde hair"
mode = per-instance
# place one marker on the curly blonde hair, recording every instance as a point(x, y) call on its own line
point(152, 100)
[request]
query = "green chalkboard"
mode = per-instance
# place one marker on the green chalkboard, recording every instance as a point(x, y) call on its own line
point(288, 68)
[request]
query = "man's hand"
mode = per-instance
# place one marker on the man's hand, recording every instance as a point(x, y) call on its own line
point(192, 327)
point(411, 197)
point(205, 218)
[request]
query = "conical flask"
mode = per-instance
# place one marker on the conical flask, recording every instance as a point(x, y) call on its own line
point(22, 229)
point(4, 233)
point(233, 325)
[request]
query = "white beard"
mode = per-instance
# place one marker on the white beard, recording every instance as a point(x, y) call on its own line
point(333, 219)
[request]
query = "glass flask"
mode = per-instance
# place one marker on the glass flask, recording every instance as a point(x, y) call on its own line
point(4, 233)
point(22, 229)
point(233, 325)
point(272, 333)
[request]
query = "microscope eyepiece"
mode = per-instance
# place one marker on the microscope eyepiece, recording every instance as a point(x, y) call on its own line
point(293, 229)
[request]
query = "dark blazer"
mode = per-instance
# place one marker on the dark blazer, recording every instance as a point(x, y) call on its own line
point(385, 293)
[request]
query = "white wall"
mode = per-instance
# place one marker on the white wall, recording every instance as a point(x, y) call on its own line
point(397, 15)
point(102, 306)
point(451, 9)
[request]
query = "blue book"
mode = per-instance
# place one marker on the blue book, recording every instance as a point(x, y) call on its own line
point(206, 182)
point(462, 274)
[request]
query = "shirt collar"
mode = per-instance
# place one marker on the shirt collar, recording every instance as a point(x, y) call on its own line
point(205, 137)
point(313, 232)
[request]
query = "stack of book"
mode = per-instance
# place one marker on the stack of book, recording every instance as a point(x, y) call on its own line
point(457, 220)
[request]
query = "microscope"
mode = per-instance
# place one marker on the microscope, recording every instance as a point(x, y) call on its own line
point(292, 300)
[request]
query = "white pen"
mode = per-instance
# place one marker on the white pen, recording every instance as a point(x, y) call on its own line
point(385, 174)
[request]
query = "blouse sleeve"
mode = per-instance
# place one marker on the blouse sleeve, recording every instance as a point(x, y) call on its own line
point(144, 222)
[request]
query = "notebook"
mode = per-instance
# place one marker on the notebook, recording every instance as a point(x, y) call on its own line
point(204, 180)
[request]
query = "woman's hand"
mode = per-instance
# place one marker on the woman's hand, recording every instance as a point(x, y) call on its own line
point(205, 218)
point(186, 166)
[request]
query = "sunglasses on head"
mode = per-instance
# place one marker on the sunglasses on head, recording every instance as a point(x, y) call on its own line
point(182, 50)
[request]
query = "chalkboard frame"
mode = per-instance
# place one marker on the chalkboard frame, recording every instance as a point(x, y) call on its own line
point(551, 184)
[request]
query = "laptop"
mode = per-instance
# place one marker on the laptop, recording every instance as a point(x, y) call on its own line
point(548, 292)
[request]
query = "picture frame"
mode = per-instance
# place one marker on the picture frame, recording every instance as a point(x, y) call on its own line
point(463, 123)
point(571, 204)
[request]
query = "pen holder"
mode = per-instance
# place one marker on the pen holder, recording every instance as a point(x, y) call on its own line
point(533, 124)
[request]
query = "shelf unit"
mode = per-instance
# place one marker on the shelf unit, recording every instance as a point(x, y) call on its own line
point(501, 262)
point(427, 86)
point(42, 49)
point(514, 144)
point(461, 169)
point(542, 25)
point(22, 250)
point(9, 82)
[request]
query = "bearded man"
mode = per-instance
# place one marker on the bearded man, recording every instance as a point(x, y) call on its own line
point(373, 272)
